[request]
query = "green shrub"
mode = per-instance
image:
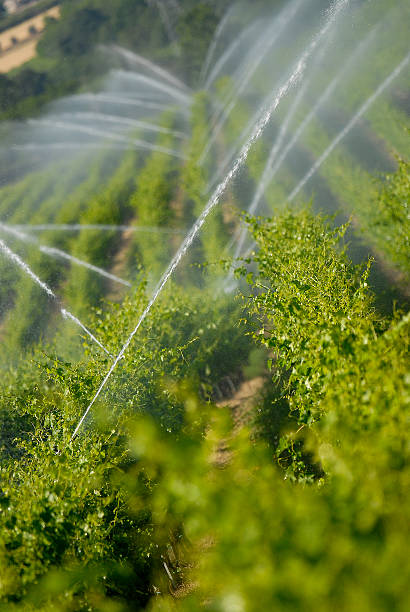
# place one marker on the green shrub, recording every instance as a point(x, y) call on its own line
point(64, 504)
point(316, 519)
point(390, 219)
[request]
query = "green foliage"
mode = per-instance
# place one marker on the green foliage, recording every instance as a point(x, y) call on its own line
point(308, 509)
point(339, 543)
point(27, 83)
point(196, 194)
point(64, 504)
point(32, 310)
point(82, 25)
point(311, 301)
point(84, 288)
point(32, 315)
point(323, 526)
point(195, 30)
point(151, 204)
point(77, 33)
point(390, 220)
point(193, 178)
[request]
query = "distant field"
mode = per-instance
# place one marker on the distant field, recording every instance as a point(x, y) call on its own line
point(18, 44)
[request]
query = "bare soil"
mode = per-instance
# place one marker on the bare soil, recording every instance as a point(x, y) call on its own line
point(18, 44)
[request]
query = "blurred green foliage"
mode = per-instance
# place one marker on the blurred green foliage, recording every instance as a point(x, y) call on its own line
point(194, 178)
point(195, 30)
point(68, 513)
point(163, 492)
point(389, 224)
point(164, 501)
point(68, 56)
point(152, 203)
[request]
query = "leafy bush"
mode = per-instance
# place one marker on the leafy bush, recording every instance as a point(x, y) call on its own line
point(63, 503)
point(77, 33)
point(390, 219)
point(140, 504)
point(315, 315)
point(338, 542)
point(150, 203)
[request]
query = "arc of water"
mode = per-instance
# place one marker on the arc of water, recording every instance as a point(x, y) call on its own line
point(66, 313)
point(322, 100)
point(143, 61)
point(263, 47)
point(337, 6)
point(54, 252)
point(120, 100)
point(75, 227)
point(172, 91)
point(147, 95)
point(62, 125)
point(64, 146)
point(326, 94)
point(393, 75)
point(127, 122)
point(235, 44)
point(166, 20)
point(243, 136)
point(212, 47)
point(236, 146)
point(265, 178)
point(272, 155)
point(343, 133)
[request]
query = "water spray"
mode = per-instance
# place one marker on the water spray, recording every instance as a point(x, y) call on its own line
point(120, 100)
point(349, 126)
point(393, 75)
point(220, 190)
point(212, 47)
point(172, 91)
point(139, 144)
point(66, 313)
point(134, 123)
point(262, 49)
point(320, 102)
point(272, 155)
point(59, 254)
point(235, 44)
point(143, 61)
point(76, 227)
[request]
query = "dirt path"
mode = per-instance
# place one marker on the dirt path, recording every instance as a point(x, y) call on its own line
point(18, 44)
point(119, 263)
point(243, 400)
point(241, 404)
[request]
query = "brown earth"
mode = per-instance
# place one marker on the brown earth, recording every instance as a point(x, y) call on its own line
point(18, 44)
